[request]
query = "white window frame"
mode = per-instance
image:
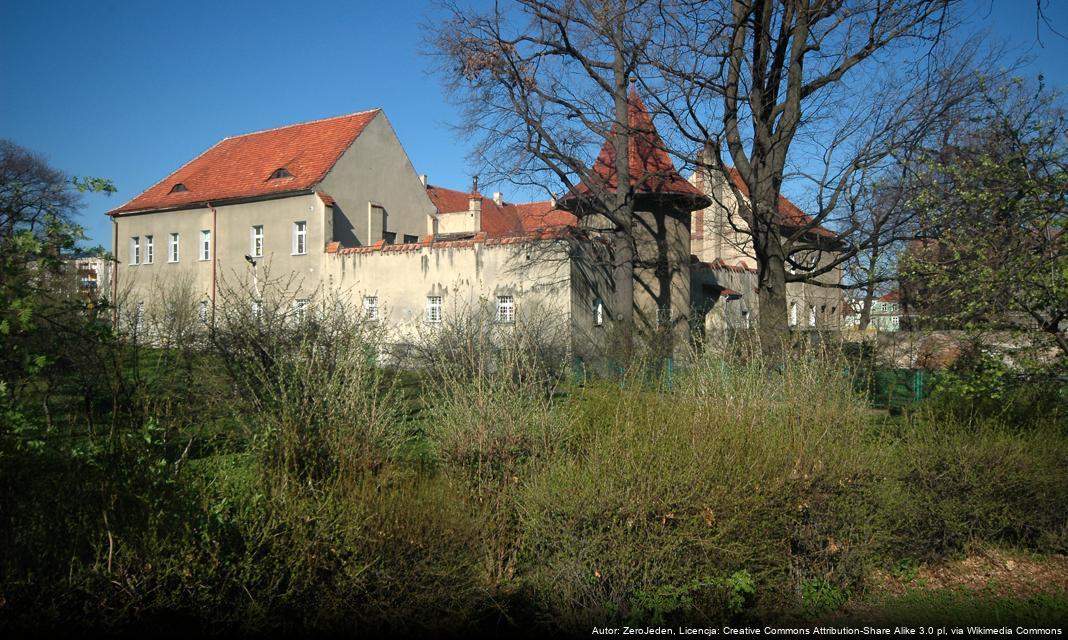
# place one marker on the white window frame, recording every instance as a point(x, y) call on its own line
point(793, 314)
point(256, 241)
point(205, 244)
point(135, 250)
point(598, 313)
point(173, 250)
point(505, 309)
point(433, 309)
point(370, 308)
point(150, 250)
point(300, 237)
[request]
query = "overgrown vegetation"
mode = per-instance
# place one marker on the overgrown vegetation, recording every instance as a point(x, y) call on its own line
point(271, 466)
point(274, 476)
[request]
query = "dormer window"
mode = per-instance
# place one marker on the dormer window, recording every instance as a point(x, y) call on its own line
point(179, 188)
point(280, 172)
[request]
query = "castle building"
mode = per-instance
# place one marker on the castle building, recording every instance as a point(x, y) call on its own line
point(334, 207)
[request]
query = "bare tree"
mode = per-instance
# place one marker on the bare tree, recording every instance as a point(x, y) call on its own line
point(762, 80)
point(544, 84)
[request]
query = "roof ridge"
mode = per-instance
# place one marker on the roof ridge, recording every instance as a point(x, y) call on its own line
point(357, 120)
point(164, 178)
point(300, 124)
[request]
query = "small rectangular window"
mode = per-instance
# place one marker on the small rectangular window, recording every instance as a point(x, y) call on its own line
point(370, 308)
point(390, 237)
point(173, 253)
point(135, 250)
point(410, 239)
point(505, 309)
point(598, 313)
point(205, 244)
point(150, 250)
point(300, 238)
point(433, 309)
point(300, 310)
point(256, 245)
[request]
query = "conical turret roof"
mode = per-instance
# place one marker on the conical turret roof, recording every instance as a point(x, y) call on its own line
point(650, 167)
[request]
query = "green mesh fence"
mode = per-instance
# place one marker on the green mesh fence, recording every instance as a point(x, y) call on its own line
point(899, 388)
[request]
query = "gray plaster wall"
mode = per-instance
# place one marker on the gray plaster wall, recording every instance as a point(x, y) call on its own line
point(376, 170)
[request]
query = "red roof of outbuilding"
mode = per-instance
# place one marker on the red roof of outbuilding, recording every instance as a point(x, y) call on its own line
point(506, 219)
point(649, 165)
point(241, 166)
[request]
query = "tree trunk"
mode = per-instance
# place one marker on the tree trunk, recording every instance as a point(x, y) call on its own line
point(773, 324)
point(623, 275)
point(865, 311)
point(623, 204)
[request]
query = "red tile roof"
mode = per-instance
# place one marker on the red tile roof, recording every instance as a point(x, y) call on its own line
point(893, 296)
point(650, 167)
point(790, 215)
point(506, 219)
point(241, 166)
point(720, 263)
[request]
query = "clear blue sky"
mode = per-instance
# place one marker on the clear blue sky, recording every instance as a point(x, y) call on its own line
point(130, 90)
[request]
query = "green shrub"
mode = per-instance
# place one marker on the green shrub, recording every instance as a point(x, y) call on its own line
point(735, 467)
point(982, 482)
point(819, 597)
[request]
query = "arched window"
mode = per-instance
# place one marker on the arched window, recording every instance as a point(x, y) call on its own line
point(280, 172)
point(178, 188)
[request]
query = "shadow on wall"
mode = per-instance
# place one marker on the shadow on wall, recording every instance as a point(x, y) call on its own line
point(344, 232)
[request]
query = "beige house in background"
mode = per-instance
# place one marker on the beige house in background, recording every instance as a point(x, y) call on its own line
point(725, 267)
